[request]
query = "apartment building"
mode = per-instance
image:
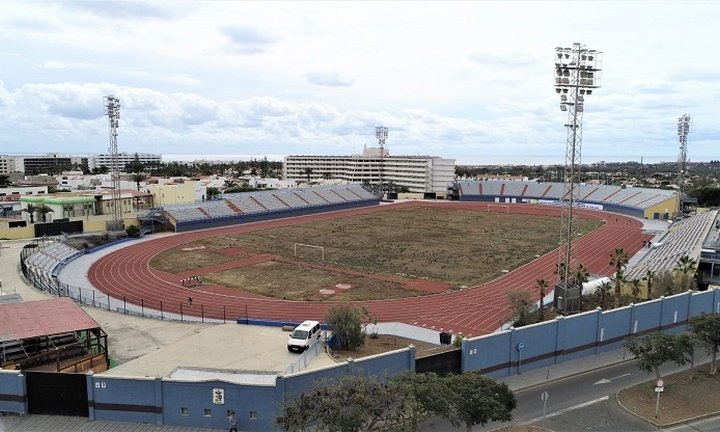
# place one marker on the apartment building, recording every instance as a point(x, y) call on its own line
point(417, 173)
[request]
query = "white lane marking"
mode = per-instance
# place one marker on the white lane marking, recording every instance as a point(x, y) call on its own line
point(582, 405)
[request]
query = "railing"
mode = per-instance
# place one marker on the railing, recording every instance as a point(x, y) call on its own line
point(304, 359)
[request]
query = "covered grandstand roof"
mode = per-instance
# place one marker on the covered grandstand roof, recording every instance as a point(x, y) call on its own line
point(42, 317)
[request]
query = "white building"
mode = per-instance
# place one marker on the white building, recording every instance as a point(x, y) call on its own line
point(417, 173)
point(123, 159)
point(54, 162)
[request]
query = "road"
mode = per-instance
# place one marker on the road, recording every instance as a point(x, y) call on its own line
point(584, 402)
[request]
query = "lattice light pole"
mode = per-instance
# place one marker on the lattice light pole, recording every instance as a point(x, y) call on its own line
point(381, 133)
point(577, 74)
point(112, 110)
point(684, 127)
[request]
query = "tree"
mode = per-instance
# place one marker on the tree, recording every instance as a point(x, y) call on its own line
point(581, 274)
point(43, 209)
point(229, 184)
point(137, 178)
point(367, 403)
point(476, 399)
point(132, 231)
point(649, 275)
point(635, 291)
point(212, 192)
point(706, 328)
point(618, 259)
point(686, 265)
point(602, 292)
point(31, 209)
point(308, 172)
point(346, 322)
point(5, 180)
point(654, 350)
point(520, 306)
point(542, 284)
point(686, 345)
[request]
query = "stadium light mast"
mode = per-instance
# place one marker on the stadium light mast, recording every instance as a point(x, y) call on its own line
point(381, 133)
point(577, 74)
point(112, 110)
point(684, 127)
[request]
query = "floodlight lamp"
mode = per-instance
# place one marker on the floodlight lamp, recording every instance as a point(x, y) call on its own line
point(588, 92)
point(563, 107)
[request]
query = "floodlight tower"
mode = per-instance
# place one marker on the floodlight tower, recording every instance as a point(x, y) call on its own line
point(577, 74)
point(381, 133)
point(112, 110)
point(684, 127)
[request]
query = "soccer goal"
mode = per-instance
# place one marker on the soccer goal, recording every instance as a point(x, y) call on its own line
point(498, 208)
point(303, 245)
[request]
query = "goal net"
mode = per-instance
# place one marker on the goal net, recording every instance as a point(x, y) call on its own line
point(303, 246)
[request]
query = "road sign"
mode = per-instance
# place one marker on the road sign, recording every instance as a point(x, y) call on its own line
point(544, 396)
point(659, 383)
point(520, 346)
point(659, 389)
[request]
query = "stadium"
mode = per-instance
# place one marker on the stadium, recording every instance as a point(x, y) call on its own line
point(206, 269)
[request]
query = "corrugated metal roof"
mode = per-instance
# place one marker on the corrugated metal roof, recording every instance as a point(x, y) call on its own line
point(43, 317)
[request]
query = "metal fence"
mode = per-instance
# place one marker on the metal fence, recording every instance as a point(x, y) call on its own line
point(307, 356)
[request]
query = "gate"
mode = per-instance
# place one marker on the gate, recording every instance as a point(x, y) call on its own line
point(57, 393)
point(443, 363)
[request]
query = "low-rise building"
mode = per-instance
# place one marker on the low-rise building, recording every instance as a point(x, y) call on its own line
point(182, 192)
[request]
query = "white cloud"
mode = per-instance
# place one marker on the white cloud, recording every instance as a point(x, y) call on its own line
point(330, 79)
point(470, 80)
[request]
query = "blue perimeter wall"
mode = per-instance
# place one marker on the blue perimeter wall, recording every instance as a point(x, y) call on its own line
point(565, 338)
point(190, 225)
point(189, 403)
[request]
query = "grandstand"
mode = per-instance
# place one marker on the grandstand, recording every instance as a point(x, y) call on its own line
point(644, 203)
point(261, 205)
point(684, 237)
point(52, 258)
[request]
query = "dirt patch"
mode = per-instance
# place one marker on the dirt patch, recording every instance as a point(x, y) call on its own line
point(681, 400)
point(521, 428)
point(421, 249)
point(385, 343)
point(290, 281)
point(193, 256)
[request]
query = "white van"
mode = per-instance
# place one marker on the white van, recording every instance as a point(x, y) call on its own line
point(304, 336)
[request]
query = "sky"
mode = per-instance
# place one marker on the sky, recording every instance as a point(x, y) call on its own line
point(470, 80)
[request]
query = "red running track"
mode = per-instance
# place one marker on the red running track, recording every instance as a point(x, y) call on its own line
point(474, 311)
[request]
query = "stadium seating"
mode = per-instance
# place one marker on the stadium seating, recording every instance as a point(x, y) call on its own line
point(629, 200)
point(267, 204)
point(683, 238)
point(51, 258)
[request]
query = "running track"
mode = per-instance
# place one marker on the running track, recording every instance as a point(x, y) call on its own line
point(474, 311)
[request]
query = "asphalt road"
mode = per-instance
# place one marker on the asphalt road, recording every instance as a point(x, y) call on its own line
point(584, 402)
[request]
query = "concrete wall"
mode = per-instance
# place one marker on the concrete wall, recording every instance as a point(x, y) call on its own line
point(518, 350)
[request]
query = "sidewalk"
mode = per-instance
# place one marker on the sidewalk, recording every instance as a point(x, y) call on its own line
point(566, 369)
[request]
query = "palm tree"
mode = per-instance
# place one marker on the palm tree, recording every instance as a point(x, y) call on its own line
point(229, 184)
point(542, 284)
point(686, 265)
point(635, 290)
point(137, 178)
point(649, 275)
point(602, 290)
point(44, 210)
point(619, 260)
point(308, 171)
point(31, 209)
point(581, 274)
